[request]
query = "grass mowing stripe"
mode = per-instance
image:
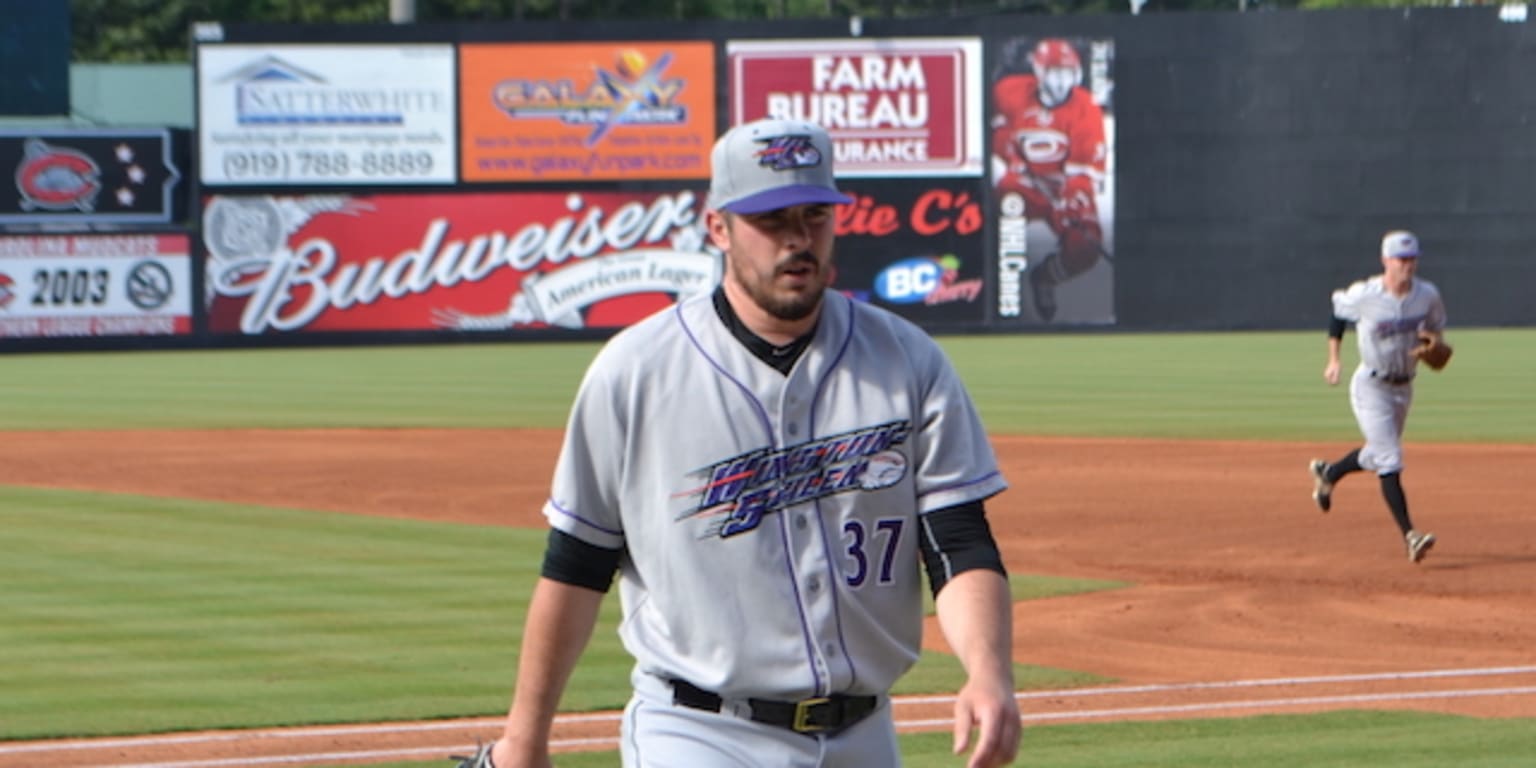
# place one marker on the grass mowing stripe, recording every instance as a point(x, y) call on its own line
point(1248, 385)
point(1233, 386)
point(463, 386)
point(163, 614)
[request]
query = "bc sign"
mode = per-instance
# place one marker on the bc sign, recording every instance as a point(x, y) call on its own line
point(910, 280)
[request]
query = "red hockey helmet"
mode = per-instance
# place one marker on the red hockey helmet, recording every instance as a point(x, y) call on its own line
point(1057, 68)
point(1055, 52)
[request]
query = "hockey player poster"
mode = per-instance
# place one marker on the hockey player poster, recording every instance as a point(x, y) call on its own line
point(1052, 147)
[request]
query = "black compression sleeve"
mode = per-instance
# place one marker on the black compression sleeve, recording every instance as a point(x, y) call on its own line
point(1336, 327)
point(570, 560)
point(957, 539)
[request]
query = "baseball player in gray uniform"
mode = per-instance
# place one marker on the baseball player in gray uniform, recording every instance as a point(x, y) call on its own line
point(769, 469)
point(1390, 312)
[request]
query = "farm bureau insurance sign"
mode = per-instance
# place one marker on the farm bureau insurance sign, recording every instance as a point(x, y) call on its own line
point(894, 107)
point(475, 262)
point(325, 114)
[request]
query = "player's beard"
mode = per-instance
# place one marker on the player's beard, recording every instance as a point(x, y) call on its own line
point(787, 306)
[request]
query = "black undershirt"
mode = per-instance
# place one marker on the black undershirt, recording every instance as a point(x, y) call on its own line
point(1336, 327)
point(781, 359)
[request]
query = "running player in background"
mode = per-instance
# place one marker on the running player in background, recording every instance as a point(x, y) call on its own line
point(765, 468)
point(1049, 134)
point(1389, 311)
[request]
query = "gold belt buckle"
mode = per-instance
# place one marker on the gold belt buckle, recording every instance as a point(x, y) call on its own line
point(803, 713)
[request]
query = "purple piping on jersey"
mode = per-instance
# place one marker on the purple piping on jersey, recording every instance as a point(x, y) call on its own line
point(837, 608)
point(583, 520)
point(632, 718)
point(965, 484)
point(762, 416)
point(762, 413)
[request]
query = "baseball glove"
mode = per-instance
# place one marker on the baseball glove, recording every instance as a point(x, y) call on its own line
point(1432, 350)
point(480, 759)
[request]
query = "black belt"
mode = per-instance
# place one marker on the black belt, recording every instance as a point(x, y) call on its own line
point(823, 714)
point(1391, 378)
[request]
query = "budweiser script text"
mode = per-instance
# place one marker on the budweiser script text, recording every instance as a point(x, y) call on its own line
point(290, 287)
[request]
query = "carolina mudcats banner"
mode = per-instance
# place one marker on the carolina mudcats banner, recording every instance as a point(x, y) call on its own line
point(464, 263)
point(76, 177)
point(95, 285)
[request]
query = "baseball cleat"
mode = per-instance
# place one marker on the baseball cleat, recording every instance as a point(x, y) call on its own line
point(1322, 490)
point(1419, 545)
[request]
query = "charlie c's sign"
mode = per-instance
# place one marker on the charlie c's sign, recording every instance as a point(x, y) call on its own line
point(897, 107)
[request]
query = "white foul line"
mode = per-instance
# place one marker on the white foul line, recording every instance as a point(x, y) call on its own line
point(1256, 704)
point(401, 728)
point(1272, 681)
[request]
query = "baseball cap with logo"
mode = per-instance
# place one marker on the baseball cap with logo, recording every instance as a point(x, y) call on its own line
point(770, 164)
point(1400, 244)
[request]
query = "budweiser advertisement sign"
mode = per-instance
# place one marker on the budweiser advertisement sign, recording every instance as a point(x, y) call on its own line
point(895, 107)
point(451, 262)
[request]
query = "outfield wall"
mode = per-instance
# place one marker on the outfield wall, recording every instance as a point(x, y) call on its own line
point(1265, 154)
point(376, 184)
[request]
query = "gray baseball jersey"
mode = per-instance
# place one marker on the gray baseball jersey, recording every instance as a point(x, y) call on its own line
point(1388, 326)
point(1380, 392)
point(770, 522)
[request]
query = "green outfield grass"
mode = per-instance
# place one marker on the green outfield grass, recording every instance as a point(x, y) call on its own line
point(1258, 386)
point(124, 614)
